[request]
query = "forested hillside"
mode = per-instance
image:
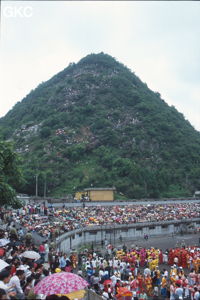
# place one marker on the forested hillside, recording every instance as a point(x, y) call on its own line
point(96, 123)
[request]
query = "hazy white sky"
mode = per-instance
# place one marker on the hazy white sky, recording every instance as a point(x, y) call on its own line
point(159, 41)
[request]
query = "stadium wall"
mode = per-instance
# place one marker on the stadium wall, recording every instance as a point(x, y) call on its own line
point(115, 234)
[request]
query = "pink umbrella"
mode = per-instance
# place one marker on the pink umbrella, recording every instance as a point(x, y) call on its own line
point(60, 283)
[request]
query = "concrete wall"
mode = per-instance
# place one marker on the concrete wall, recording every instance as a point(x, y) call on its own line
point(115, 233)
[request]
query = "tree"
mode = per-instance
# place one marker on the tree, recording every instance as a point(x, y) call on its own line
point(45, 132)
point(10, 174)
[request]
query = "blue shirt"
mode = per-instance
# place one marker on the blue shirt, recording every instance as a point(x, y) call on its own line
point(62, 262)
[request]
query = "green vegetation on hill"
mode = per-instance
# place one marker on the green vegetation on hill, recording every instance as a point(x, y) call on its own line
point(96, 123)
point(10, 174)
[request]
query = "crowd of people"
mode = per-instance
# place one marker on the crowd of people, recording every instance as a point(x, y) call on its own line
point(137, 273)
point(138, 270)
point(51, 222)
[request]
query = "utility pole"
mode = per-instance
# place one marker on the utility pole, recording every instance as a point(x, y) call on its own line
point(145, 188)
point(36, 185)
point(45, 186)
point(114, 234)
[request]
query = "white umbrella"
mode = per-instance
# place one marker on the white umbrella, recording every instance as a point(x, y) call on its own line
point(3, 264)
point(23, 267)
point(4, 242)
point(31, 255)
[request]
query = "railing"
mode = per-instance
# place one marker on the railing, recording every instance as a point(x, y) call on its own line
point(122, 226)
point(70, 199)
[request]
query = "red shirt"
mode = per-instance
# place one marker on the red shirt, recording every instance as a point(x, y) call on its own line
point(13, 270)
point(2, 252)
point(41, 249)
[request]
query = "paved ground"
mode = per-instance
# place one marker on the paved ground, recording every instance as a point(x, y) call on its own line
point(164, 242)
point(161, 242)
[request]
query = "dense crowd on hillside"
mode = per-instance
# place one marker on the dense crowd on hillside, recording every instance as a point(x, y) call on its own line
point(51, 222)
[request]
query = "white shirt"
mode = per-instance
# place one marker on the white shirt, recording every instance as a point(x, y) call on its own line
point(166, 273)
point(165, 257)
point(147, 271)
point(3, 286)
point(176, 260)
point(105, 295)
point(15, 281)
point(115, 263)
point(196, 295)
point(46, 247)
point(94, 263)
point(114, 280)
point(101, 273)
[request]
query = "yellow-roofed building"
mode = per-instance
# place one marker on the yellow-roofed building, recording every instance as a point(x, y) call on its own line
point(100, 194)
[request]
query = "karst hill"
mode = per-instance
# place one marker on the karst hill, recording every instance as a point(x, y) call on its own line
point(97, 124)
